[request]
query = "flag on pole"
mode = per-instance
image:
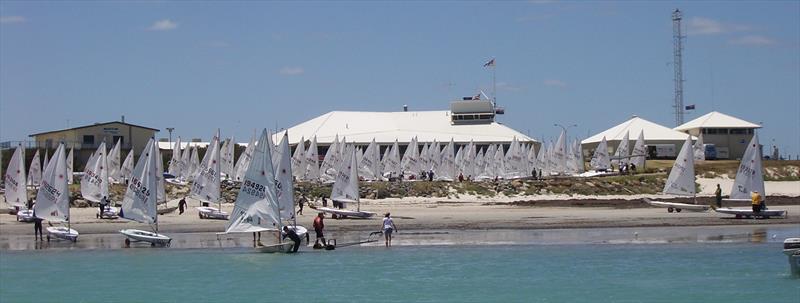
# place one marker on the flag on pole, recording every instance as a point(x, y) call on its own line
point(490, 63)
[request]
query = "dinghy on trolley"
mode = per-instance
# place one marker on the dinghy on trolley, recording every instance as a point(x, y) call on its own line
point(681, 182)
point(345, 189)
point(141, 198)
point(52, 200)
point(749, 179)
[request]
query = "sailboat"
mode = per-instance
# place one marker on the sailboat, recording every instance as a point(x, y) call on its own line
point(749, 178)
point(16, 192)
point(127, 168)
point(35, 171)
point(681, 182)
point(113, 161)
point(94, 183)
point(206, 186)
point(256, 208)
point(52, 200)
point(345, 189)
point(244, 160)
point(70, 165)
point(284, 186)
point(139, 203)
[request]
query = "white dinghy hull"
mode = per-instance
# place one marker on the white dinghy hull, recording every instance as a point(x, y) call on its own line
point(109, 212)
point(206, 212)
point(347, 213)
point(675, 206)
point(135, 235)
point(25, 215)
point(61, 232)
point(748, 212)
point(275, 248)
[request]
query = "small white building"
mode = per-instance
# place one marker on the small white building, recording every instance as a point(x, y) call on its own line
point(729, 134)
point(654, 134)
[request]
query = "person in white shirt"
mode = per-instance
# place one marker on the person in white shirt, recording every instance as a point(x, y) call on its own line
point(388, 227)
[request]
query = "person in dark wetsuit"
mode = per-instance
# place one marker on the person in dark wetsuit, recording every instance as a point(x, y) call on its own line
point(37, 227)
point(319, 225)
point(287, 232)
point(182, 206)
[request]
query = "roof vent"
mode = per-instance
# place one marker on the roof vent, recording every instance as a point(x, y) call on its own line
point(405, 107)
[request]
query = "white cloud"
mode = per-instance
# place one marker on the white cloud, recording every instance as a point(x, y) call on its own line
point(292, 71)
point(555, 83)
point(163, 25)
point(752, 40)
point(12, 19)
point(708, 26)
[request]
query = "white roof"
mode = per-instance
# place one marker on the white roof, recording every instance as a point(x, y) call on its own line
point(386, 127)
point(652, 132)
point(716, 120)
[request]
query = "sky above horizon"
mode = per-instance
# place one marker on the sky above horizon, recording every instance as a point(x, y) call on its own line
point(239, 66)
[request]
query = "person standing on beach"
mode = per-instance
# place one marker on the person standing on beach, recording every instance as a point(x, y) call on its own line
point(37, 227)
point(388, 227)
point(718, 196)
point(756, 201)
point(182, 205)
point(319, 225)
point(102, 205)
point(302, 202)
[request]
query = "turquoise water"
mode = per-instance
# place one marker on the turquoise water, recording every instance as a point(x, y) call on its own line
point(732, 272)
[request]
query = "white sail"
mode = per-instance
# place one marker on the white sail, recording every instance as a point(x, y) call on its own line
point(392, 165)
point(161, 196)
point(531, 159)
point(459, 159)
point(600, 159)
point(345, 186)
point(749, 177)
point(541, 159)
point(284, 186)
point(35, 171)
point(256, 208)
point(368, 166)
point(699, 150)
point(299, 160)
point(114, 160)
point(139, 203)
point(681, 177)
point(186, 159)
point(621, 154)
point(312, 161)
point(127, 167)
point(194, 164)
point(560, 154)
point(328, 169)
point(426, 157)
point(639, 153)
point(244, 160)
point(410, 163)
point(226, 157)
point(70, 165)
point(175, 162)
point(206, 183)
point(94, 183)
point(16, 191)
point(52, 200)
point(446, 170)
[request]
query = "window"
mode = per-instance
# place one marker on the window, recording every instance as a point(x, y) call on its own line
point(738, 131)
point(88, 140)
point(722, 131)
point(750, 131)
point(711, 131)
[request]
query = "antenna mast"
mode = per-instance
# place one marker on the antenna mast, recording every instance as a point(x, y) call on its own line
point(677, 41)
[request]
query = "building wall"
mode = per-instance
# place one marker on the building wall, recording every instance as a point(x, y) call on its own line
point(734, 139)
point(132, 137)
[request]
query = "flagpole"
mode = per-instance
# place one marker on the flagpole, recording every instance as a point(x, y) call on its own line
point(494, 82)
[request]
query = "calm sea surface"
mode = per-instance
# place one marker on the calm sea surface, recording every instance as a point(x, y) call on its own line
point(687, 272)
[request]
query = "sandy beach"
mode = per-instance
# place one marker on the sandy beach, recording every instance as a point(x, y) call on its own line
point(426, 215)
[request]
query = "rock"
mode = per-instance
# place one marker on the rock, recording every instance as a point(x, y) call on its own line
point(80, 203)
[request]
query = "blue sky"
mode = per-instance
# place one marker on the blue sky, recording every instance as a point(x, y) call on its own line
point(198, 66)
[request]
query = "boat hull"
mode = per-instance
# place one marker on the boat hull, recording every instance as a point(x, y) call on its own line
point(206, 212)
point(136, 235)
point(25, 215)
point(670, 206)
point(275, 248)
point(109, 212)
point(748, 212)
point(63, 233)
point(347, 213)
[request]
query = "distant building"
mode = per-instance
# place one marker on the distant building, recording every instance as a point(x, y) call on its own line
point(89, 137)
point(654, 134)
point(466, 121)
point(729, 134)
